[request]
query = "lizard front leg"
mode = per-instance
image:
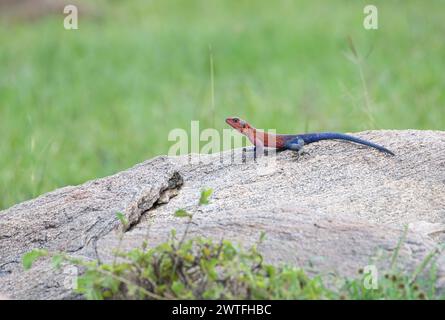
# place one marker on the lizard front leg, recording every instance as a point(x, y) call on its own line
point(296, 144)
point(258, 150)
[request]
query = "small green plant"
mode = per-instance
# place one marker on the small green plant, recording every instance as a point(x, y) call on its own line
point(199, 268)
point(29, 257)
point(195, 269)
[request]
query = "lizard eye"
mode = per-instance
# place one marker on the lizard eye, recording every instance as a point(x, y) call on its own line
point(235, 120)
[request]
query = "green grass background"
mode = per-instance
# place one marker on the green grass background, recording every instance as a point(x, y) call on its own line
point(76, 105)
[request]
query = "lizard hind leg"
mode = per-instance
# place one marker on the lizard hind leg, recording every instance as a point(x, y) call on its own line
point(296, 144)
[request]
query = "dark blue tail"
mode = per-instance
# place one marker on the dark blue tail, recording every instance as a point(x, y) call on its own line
point(314, 137)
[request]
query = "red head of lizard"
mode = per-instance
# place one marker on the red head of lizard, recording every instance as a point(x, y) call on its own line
point(258, 138)
point(239, 125)
point(242, 127)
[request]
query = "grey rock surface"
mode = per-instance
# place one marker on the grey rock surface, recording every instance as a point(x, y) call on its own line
point(334, 209)
point(72, 220)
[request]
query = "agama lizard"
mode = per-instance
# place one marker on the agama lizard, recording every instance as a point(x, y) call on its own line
point(294, 142)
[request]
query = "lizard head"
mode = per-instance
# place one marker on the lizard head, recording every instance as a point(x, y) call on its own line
point(239, 125)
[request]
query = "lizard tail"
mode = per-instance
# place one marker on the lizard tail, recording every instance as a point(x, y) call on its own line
point(314, 137)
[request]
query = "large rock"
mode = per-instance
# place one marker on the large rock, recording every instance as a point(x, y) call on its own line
point(334, 209)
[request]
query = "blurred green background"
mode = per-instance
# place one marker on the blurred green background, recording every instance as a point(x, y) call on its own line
point(76, 105)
